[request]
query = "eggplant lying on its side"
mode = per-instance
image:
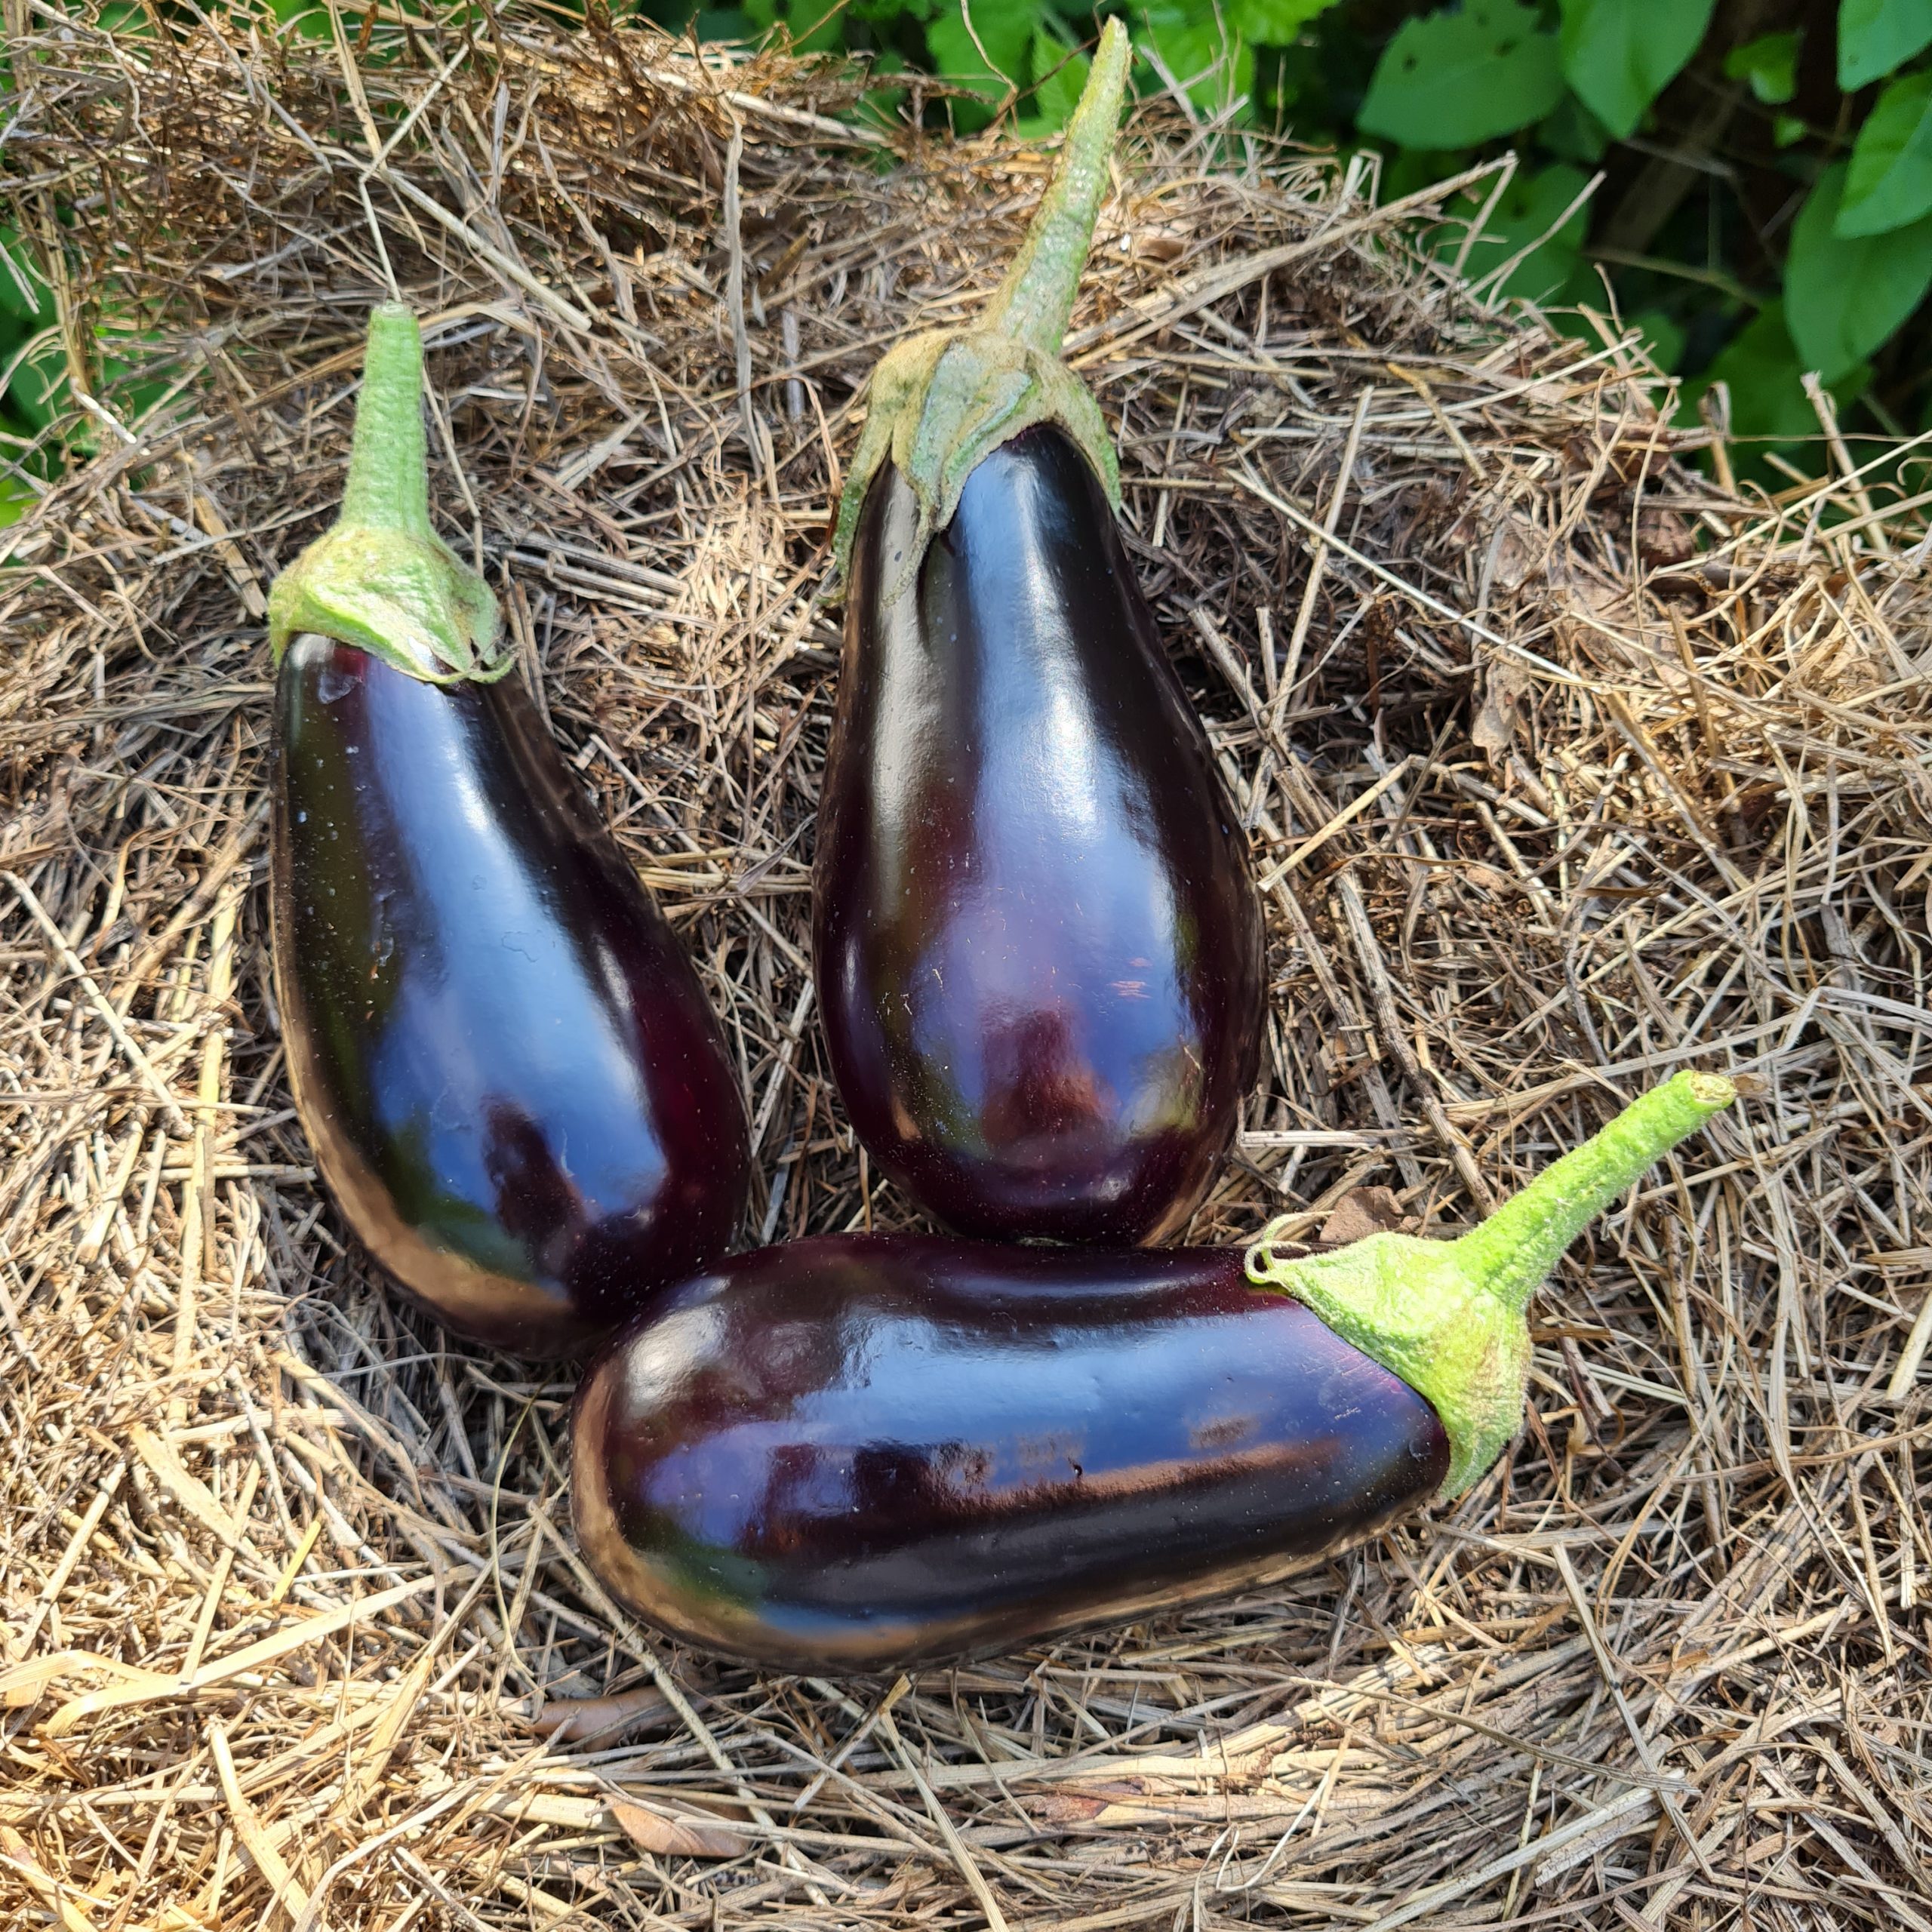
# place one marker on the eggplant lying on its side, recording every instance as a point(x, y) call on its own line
point(854, 1451)
point(859, 1451)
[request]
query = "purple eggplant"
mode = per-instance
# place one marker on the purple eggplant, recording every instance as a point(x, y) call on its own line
point(1037, 942)
point(855, 1453)
point(507, 1070)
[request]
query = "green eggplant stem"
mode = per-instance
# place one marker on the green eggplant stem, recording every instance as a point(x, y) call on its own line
point(1516, 1249)
point(1449, 1317)
point(1035, 301)
point(939, 402)
point(380, 577)
point(389, 460)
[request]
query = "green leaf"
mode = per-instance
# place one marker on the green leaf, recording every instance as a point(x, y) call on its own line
point(1274, 23)
point(16, 498)
point(1787, 130)
point(1526, 217)
point(1761, 368)
point(1005, 29)
point(1843, 299)
point(308, 19)
point(1875, 36)
point(37, 389)
point(1770, 63)
point(23, 296)
point(1573, 133)
point(1663, 337)
point(1890, 181)
point(1619, 55)
point(1060, 73)
point(1202, 51)
point(1454, 78)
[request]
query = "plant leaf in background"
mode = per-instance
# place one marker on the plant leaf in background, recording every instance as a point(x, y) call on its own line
point(16, 498)
point(1060, 73)
point(1889, 184)
point(1663, 337)
point(1619, 55)
point(1526, 216)
point(1759, 367)
point(1875, 36)
point(1769, 63)
point(1274, 23)
point(1465, 75)
point(23, 296)
point(1843, 299)
point(1201, 47)
point(1005, 29)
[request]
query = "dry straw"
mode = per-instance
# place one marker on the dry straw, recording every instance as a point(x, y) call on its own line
point(294, 1633)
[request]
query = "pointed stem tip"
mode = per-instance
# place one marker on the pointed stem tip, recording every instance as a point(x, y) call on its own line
point(1518, 1246)
point(1035, 300)
point(388, 481)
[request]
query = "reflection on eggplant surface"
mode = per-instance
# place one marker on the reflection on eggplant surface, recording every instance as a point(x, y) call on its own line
point(1037, 943)
point(854, 1451)
point(509, 1074)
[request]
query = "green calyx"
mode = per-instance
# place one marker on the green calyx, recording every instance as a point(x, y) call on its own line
point(941, 402)
point(380, 577)
point(1450, 1317)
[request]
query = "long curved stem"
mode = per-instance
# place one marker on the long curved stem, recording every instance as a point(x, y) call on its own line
point(1519, 1245)
point(1034, 302)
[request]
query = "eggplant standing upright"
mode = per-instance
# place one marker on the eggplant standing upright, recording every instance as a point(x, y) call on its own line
point(1036, 939)
point(507, 1070)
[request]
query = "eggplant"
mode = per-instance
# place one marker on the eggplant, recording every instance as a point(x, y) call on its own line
point(508, 1072)
point(1037, 942)
point(858, 1453)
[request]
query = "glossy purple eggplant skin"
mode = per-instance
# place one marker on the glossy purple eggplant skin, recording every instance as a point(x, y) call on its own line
point(1037, 940)
point(857, 1452)
point(509, 1074)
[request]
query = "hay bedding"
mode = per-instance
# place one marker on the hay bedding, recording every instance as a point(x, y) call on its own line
point(294, 1633)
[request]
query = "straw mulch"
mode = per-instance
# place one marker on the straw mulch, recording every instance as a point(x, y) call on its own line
point(1564, 768)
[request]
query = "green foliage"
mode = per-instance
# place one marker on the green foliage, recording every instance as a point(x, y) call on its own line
point(1274, 23)
point(1200, 48)
point(1619, 55)
point(1764, 378)
point(1843, 299)
point(1465, 76)
point(1877, 37)
point(1062, 72)
point(31, 366)
point(1769, 64)
point(1538, 225)
point(1722, 283)
point(1596, 96)
point(1889, 184)
point(1005, 30)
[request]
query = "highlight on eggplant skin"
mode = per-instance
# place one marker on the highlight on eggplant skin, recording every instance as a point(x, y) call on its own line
point(505, 1064)
point(857, 1452)
point(1037, 940)
point(508, 1074)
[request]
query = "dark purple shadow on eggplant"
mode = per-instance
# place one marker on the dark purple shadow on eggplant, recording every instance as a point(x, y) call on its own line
point(1037, 941)
point(510, 1076)
point(854, 1453)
